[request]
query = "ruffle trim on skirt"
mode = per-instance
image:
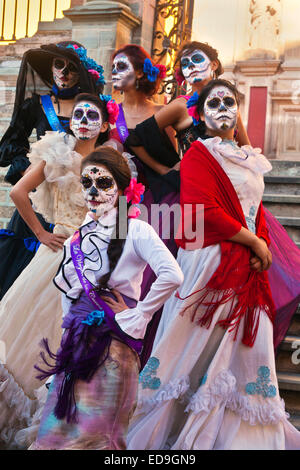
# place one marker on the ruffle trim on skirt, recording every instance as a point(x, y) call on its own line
point(27, 436)
point(173, 390)
point(16, 408)
point(223, 392)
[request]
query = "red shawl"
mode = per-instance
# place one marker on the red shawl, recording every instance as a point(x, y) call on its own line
point(203, 181)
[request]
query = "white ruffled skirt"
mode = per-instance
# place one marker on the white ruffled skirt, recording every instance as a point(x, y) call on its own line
point(30, 311)
point(201, 389)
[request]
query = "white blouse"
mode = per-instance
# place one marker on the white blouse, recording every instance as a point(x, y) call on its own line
point(245, 167)
point(142, 247)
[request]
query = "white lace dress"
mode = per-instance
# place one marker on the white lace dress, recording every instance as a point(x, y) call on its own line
point(31, 309)
point(200, 389)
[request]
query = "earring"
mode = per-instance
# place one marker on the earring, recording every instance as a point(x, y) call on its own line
point(137, 83)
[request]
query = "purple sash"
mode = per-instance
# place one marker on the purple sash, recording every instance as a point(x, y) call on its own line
point(78, 260)
point(121, 125)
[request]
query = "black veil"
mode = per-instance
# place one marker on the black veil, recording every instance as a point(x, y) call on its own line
point(35, 75)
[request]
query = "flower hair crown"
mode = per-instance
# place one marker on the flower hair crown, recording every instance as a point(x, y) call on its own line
point(192, 108)
point(111, 107)
point(135, 194)
point(89, 64)
point(154, 72)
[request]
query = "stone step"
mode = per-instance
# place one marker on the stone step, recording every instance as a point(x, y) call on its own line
point(285, 168)
point(294, 328)
point(282, 185)
point(282, 198)
point(295, 420)
point(288, 355)
point(290, 343)
point(292, 226)
point(285, 205)
point(292, 401)
point(289, 381)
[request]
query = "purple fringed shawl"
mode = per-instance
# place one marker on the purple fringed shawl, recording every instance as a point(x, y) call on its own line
point(89, 327)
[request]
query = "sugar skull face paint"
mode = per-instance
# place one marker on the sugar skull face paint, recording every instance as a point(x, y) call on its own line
point(195, 66)
point(220, 109)
point(65, 74)
point(99, 188)
point(123, 73)
point(86, 121)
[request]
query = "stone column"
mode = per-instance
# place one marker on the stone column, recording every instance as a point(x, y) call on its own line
point(102, 26)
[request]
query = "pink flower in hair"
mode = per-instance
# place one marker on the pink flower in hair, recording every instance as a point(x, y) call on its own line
point(194, 113)
point(134, 192)
point(113, 111)
point(75, 46)
point(94, 73)
point(133, 212)
point(179, 77)
point(162, 71)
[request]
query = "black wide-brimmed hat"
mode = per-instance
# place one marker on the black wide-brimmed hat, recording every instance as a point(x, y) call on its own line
point(41, 59)
point(37, 64)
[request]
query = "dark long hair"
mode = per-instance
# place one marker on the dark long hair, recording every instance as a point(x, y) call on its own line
point(191, 46)
point(118, 167)
point(137, 56)
point(101, 105)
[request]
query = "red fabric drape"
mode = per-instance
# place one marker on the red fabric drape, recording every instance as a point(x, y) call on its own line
point(203, 181)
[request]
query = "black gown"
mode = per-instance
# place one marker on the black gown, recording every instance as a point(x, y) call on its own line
point(18, 243)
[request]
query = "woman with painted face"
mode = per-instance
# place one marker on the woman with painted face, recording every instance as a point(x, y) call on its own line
point(65, 70)
point(31, 309)
point(134, 74)
point(219, 390)
point(93, 393)
point(198, 63)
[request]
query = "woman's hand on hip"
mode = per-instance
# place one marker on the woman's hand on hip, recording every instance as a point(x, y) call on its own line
point(53, 241)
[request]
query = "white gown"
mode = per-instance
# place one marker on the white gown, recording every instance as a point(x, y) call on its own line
point(200, 389)
point(31, 309)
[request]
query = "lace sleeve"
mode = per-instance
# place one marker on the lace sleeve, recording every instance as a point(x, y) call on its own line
point(14, 145)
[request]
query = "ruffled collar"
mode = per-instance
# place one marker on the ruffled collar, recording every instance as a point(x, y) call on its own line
point(245, 156)
point(106, 221)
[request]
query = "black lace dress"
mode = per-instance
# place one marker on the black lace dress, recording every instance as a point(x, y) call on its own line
point(18, 243)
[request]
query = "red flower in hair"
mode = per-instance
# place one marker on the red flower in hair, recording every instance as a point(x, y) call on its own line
point(94, 73)
point(162, 71)
point(179, 77)
point(134, 191)
point(113, 111)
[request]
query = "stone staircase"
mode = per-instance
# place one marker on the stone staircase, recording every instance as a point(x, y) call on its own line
point(282, 198)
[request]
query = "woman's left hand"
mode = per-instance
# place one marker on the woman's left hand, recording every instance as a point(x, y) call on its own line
point(256, 263)
point(118, 305)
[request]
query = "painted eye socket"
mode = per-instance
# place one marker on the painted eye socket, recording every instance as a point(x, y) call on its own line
point(72, 68)
point(104, 182)
point(120, 67)
point(78, 114)
point(197, 58)
point(86, 182)
point(59, 64)
point(185, 62)
point(93, 115)
point(214, 103)
point(229, 102)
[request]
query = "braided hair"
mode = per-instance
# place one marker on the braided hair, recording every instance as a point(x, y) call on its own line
point(117, 165)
